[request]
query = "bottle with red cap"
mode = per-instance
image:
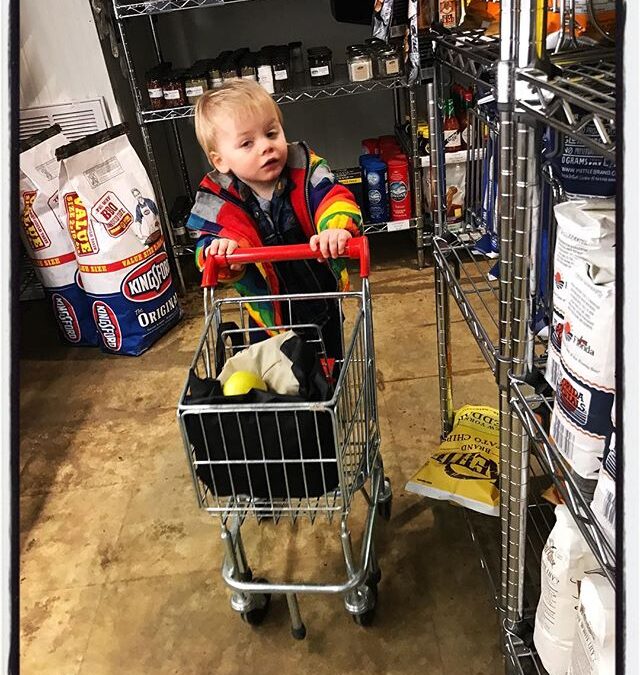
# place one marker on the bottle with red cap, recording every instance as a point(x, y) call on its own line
point(399, 187)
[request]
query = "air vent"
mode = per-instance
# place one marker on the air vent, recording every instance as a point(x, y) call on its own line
point(76, 119)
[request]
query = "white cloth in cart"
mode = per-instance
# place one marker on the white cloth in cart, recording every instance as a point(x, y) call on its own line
point(266, 359)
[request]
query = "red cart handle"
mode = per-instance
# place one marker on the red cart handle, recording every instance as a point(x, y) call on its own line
point(356, 248)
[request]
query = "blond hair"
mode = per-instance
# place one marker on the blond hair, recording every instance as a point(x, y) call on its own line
point(235, 97)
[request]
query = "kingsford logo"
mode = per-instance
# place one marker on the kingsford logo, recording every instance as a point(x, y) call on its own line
point(149, 280)
point(107, 324)
point(66, 317)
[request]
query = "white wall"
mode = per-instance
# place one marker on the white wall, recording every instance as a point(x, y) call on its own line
point(61, 59)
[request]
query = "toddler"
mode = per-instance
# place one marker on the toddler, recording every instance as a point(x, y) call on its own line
point(264, 191)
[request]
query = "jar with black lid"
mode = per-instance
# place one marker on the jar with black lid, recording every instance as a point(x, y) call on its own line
point(154, 89)
point(228, 70)
point(359, 65)
point(320, 66)
point(215, 75)
point(280, 65)
point(374, 43)
point(296, 57)
point(195, 84)
point(265, 71)
point(387, 62)
point(173, 90)
point(247, 67)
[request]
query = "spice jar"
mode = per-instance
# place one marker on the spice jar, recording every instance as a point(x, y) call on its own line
point(248, 69)
point(173, 90)
point(387, 62)
point(296, 57)
point(195, 85)
point(215, 76)
point(374, 43)
point(360, 66)
point(280, 68)
point(265, 71)
point(154, 89)
point(228, 71)
point(320, 66)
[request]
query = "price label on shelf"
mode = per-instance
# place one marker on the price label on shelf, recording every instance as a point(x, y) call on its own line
point(397, 225)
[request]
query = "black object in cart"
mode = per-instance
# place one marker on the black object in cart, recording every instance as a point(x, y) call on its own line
point(259, 442)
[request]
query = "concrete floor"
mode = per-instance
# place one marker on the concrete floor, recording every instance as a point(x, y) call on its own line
point(120, 571)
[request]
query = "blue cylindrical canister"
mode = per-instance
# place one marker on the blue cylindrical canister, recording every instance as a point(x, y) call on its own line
point(376, 189)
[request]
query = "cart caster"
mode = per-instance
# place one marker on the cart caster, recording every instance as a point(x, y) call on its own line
point(385, 500)
point(365, 618)
point(374, 579)
point(255, 616)
point(299, 633)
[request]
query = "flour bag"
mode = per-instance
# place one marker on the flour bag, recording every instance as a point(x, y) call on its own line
point(581, 424)
point(109, 206)
point(46, 239)
point(585, 230)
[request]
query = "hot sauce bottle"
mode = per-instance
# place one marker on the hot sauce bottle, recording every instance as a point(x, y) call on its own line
point(451, 128)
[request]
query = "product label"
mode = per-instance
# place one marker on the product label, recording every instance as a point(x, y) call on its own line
point(66, 316)
point(397, 225)
point(319, 71)
point(448, 16)
point(107, 324)
point(452, 139)
point(280, 74)
point(358, 72)
point(583, 170)
point(36, 236)
point(103, 172)
point(375, 197)
point(398, 191)
point(373, 178)
point(171, 94)
point(155, 92)
point(82, 234)
point(149, 280)
point(146, 319)
point(392, 66)
point(195, 91)
point(112, 213)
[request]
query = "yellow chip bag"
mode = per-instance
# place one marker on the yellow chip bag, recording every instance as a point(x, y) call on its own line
point(465, 469)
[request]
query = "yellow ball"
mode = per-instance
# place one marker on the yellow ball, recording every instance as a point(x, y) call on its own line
point(241, 382)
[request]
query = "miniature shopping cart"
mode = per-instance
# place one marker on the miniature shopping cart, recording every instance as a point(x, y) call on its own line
point(286, 460)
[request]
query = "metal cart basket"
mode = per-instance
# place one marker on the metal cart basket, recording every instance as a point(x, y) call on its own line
point(282, 460)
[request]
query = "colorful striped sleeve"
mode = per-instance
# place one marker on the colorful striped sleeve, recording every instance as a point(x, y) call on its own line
point(332, 204)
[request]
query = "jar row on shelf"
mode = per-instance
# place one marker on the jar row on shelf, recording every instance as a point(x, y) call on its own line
point(278, 68)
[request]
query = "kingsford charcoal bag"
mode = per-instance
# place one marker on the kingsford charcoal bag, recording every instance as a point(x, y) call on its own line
point(109, 205)
point(46, 239)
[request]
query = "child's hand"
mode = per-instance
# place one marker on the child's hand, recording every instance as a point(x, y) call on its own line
point(331, 243)
point(224, 247)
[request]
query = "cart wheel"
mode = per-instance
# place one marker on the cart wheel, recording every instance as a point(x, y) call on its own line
point(384, 506)
point(374, 579)
point(366, 618)
point(255, 616)
point(299, 633)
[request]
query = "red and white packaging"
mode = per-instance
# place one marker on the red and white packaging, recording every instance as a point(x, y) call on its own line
point(585, 230)
point(109, 205)
point(399, 187)
point(47, 240)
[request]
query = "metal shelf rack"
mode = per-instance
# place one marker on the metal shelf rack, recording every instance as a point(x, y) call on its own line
point(581, 95)
point(577, 99)
point(301, 91)
point(532, 409)
point(128, 10)
point(470, 53)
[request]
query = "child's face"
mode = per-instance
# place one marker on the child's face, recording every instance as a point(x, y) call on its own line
point(253, 147)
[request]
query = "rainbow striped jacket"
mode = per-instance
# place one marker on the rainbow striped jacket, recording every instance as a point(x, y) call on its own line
point(318, 200)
